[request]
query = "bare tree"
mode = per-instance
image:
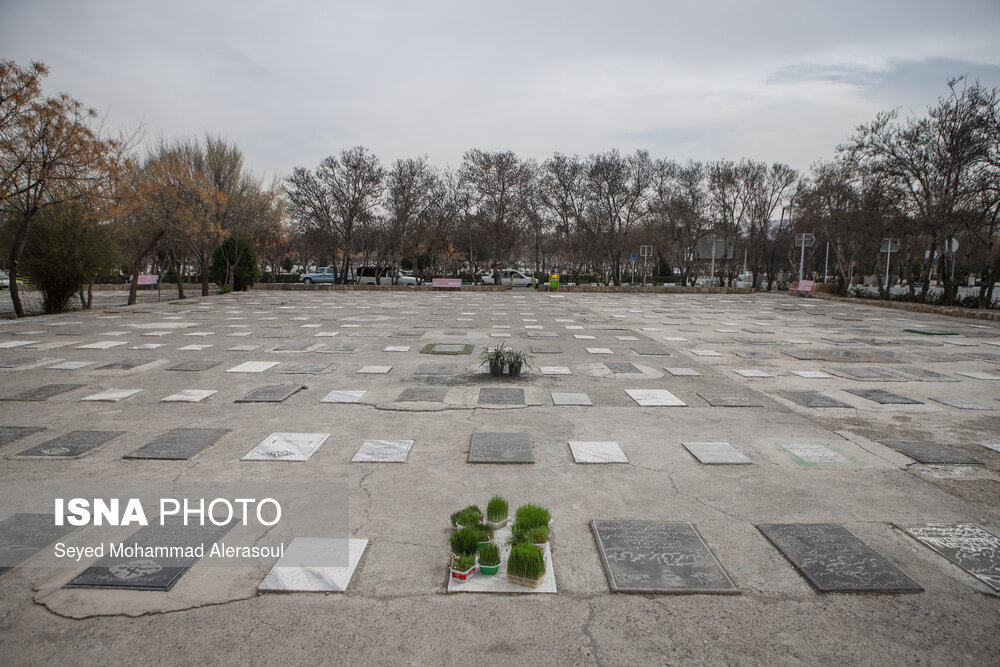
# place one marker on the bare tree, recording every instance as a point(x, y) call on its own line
point(619, 189)
point(412, 195)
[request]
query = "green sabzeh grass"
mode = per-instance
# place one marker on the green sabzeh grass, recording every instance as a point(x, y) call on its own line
point(526, 562)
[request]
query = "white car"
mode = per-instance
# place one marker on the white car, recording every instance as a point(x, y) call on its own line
point(520, 280)
point(4, 279)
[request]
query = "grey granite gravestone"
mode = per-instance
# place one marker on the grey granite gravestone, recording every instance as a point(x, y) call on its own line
point(422, 395)
point(72, 444)
point(650, 350)
point(959, 403)
point(270, 393)
point(545, 349)
point(803, 355)
point(304, 368)
point(883, 397)
point(659, 557)
point(863, 373)
point(147, 571)
point(833, 559)
point(124, 364)
point(731, 400)
point(449, 348)
point(501, 396)
point(24, 535)
point(541, 334)
point(813, 399)
point(923, 374)
point(340, 348)
point(753, 354)
point(501, 448)
point(968, 546)
point(41, 393)
point(294, 346)
point(9, 434)
point(194, 365)
point(23, 361)
point(622, 367)
point(929, 452)
point(435, 369)
point(179, 444)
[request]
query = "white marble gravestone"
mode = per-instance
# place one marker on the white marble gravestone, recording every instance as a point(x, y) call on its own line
point(683, 372)
point(374, 370)
point(810, 454)
point(654, 398)
point(555, 370)
point(564, 398)
point(343, 396)
point(717, 453)
point(253, 367)
point(295, 578)
point(111, 395)
point(287, 447)
point(189, 396)
point(597, 452)
point(383, 451)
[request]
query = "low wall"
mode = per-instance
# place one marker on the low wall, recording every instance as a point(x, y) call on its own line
point(909, 306)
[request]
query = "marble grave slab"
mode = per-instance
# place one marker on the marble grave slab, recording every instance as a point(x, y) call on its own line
point(653, 398)
point(252, 367)
point(9, 434)
point(194, 365)
point(344, 396)
point(383, 451)
point(289, 575)
point(72, 444)
point(929, 452)
point(683, 372)
point(718, 400)
point(810, 454)
point(270, 393)
point(968, 546)
point(567, 398)
point(42, 393)
point(501, 396)
point(125, 364)
point(501, 448)
point(717, 453)
point(813, 399)
point(422, 395)
point(189, 396)
point(883, 397)
point(111, 395)
point(287, 447)
point(178, 444)
point(304, 368)
point(24, 535)
point(597, 452)
point(959, 403)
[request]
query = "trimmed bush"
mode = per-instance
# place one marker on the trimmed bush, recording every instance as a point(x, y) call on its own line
point(235, 259)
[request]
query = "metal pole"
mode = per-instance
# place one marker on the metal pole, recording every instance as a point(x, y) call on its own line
point(802, 258)
point(712, 279)
point(887, 256)
point(826, 265)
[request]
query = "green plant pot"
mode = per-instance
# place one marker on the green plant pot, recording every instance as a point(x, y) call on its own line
point(482, 544)
point(489, 569)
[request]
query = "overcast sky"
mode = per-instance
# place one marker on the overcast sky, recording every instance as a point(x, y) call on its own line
point(292, 82)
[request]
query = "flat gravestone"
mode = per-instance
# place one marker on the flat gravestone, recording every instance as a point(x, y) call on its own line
point(501, 448)
point(958, 403)
point(965, 544)
point(194, 366)
point(340, 348)
point(291, 574)
point(383, 451)
point(304, 368)
point(74, 443)
point(650, 350)
point(179, 444)
point(111, 395)
point(565, 398)
point(597, 452)
point(717, 453)
point(287, 447)
point(9, 434)
point(541, 334)
point(753, 354)
point(24, 361)
point(833, 559)
point(449, 348)
point(189, 396)
point(271, 393)
point(622, 367)
point(923, 375)
point(803, 355)
point(501, 396)
point(654, 398)
point(683, 372)
point(42, 393)
point(867, 374)
point(252, 367)
point(731, 400)
point(809, 454)
point(929, 452)
point(883, 397)
point(148, 571)
point(545, 349)
point(659, 557)
point(24, 535)
point(813, 399)
point(294, 346)
point(124, 365)
point(435, 369)
point(422, 395)
point(344, 396)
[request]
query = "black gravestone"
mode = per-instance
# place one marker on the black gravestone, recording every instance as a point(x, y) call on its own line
point(43, 392)
point(154, 566)
point(422, 395)
point(622, 367)
point(270, 393)
point(124, 365)
point(23, 361)
point(435, 369)
point(833, 559)
point(883, 397)
point(650, 350)
point(659, 557)
point(923, 374)
point(965, 544)
point(501, 448)
point(731, 400)
point(304, 368)
point(179, 444)
point(501, 396)
point(813, 399)
point(74, 443)
point(9, 434)
point(929, 452)
point(194, 365)
point(24, 535)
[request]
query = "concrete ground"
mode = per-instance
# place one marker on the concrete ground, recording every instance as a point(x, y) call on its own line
point(396, 609)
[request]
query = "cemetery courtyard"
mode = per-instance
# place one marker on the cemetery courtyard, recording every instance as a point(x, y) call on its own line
point(731, 478)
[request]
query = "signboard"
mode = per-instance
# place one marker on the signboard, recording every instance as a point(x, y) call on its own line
point(645, 251)
point(635, 257)
point(721, 251)
point(804, 240)
point(889, 245)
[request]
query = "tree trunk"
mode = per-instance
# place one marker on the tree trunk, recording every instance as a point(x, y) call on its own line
point(203, 265)
point(90, 295)
point(20, 240)
point(133, 289)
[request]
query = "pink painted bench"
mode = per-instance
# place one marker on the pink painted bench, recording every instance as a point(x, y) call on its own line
point(803, 287)
point(446, 283)
point(152, 282)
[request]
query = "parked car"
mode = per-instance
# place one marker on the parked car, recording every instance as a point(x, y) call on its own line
point(367, 276)
point(324, 274)
point(4, 279)
point(520, 280)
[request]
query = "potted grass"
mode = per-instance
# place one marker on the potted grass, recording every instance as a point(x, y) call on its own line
point(538, 535)
point(495, 358)
point(485, 535)
point(489, 559)
point(467, 516)
point(529, 516)
point(465, 541)
point(516, 360)
point(525, 565)
point(462, 567)
point(496, 512)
